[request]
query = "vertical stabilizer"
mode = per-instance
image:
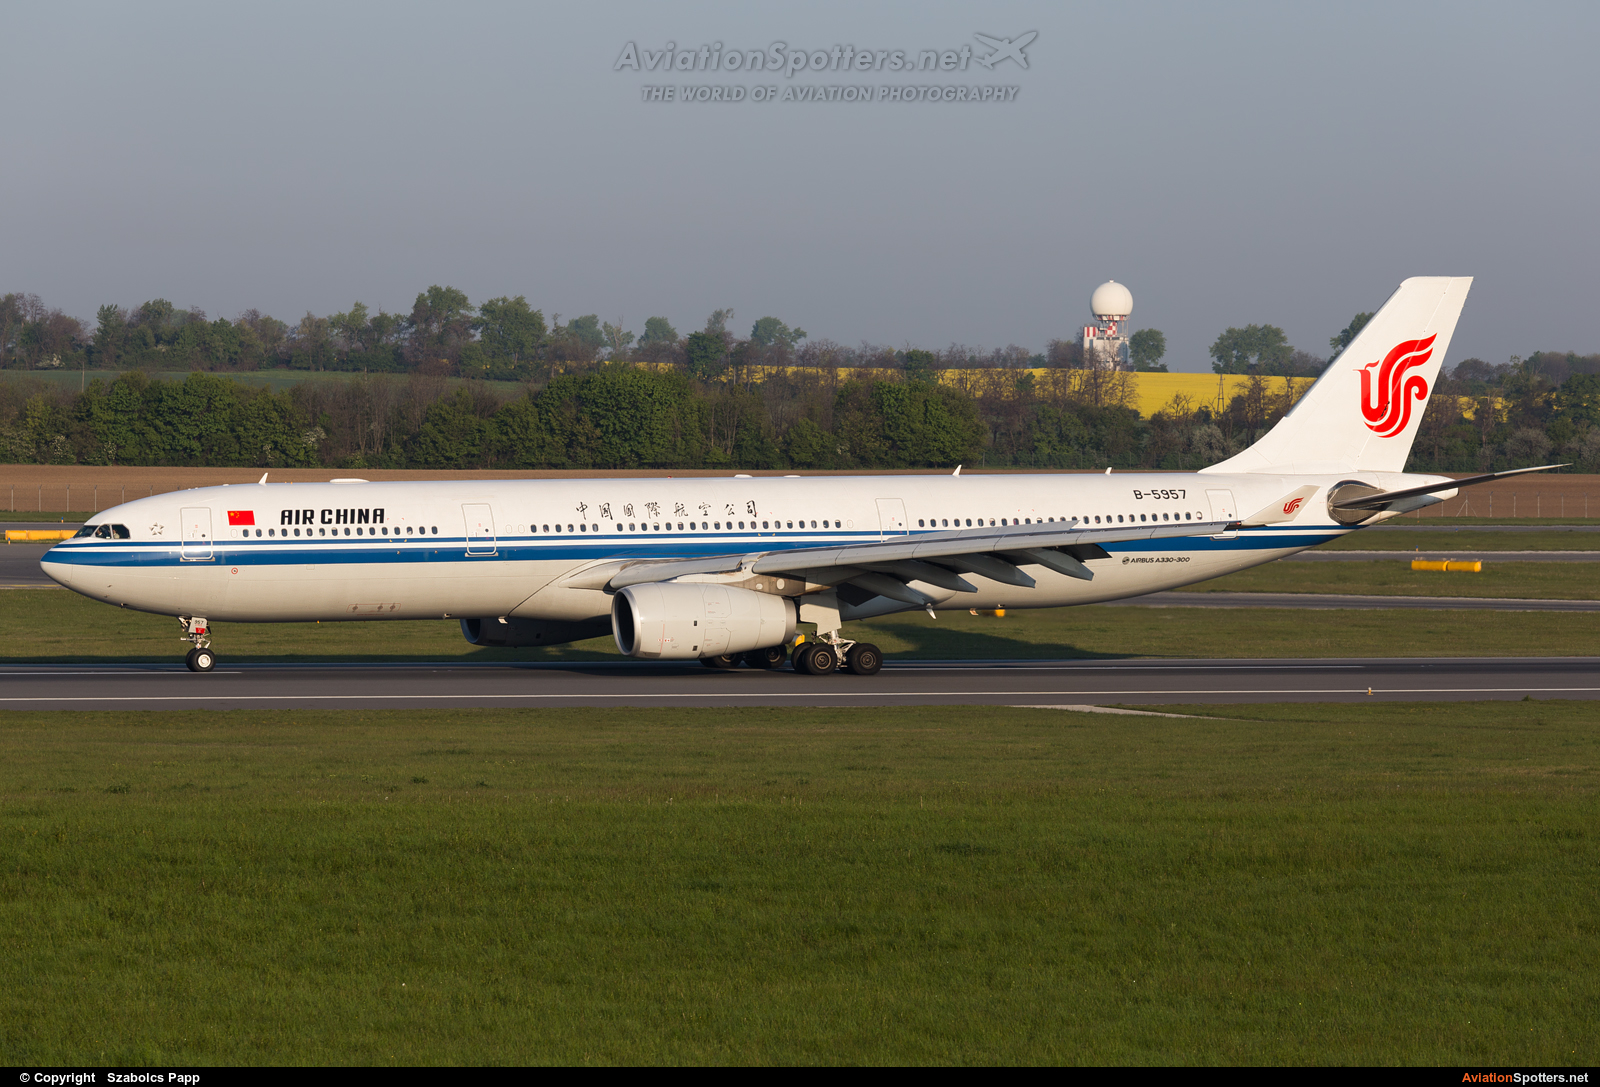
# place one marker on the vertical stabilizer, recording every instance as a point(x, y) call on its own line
point(1364, 411)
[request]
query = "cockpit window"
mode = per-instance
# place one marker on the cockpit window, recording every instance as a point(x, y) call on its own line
point(103, 532)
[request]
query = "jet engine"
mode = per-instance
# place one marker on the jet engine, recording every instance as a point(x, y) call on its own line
point(689, 620)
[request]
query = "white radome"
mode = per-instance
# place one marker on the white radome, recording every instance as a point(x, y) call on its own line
point(1111, 299)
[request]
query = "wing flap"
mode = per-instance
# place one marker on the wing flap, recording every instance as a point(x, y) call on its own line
point(976, 547)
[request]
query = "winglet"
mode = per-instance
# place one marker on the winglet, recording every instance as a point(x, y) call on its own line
point(262, 482)
point(957, 472)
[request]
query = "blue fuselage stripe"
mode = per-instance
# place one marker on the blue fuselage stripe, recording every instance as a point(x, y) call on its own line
point(354, 551)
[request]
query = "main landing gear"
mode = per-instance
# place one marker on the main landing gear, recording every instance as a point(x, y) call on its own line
point(818, 658)
point(196, 630)
point(824, 658)
point(771, 657)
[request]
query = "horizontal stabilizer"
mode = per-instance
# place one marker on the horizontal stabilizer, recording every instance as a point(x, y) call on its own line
point(1383, 498)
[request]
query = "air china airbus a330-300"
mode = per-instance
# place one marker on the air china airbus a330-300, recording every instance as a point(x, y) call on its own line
point(723, 570)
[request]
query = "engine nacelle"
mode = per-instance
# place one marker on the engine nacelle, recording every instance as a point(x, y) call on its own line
point(513, 632)
point(688, 620)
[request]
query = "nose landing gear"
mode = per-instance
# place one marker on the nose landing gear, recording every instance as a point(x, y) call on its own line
point(196, 630)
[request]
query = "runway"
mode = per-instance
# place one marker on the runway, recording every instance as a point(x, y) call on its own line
point(1463, 553)
point(1340, 601)
point(912, 683)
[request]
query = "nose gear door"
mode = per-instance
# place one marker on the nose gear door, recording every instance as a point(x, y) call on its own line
point(196, 534)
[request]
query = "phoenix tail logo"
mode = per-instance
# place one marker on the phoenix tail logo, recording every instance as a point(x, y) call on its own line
point(1293, 504)
point(1391, 412)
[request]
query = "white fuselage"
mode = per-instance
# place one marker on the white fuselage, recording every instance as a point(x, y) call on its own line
point(430, 550)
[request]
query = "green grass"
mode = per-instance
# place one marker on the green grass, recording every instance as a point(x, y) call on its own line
point(52, 517)
point(1518, 580)
point(1462, 541)
point(1574, 517)
point(44, 625)
point(1371, 884)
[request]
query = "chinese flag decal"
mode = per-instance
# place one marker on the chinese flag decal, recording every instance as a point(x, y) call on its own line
point(241, 517)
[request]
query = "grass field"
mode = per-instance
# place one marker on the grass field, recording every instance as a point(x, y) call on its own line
point(1517, 580)
point(1465, 540)
point(1386, 884)
point(44, 625)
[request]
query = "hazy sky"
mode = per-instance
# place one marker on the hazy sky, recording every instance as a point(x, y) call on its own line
point(1232, 163)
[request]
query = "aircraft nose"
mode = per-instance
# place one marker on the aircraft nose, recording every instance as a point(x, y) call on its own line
point(59, 572)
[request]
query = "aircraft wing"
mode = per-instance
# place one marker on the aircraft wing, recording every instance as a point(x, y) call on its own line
point(992, 43)
point(885, 567)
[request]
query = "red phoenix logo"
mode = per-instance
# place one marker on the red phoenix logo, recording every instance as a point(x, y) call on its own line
point(1293, 504)
point(1390, 415)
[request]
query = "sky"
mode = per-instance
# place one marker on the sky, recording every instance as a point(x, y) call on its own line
point(1232, 163)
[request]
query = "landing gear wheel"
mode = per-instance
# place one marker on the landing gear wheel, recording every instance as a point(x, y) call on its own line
point(771, 657)
point(816, 659)
point(864, 659)
point(200, 660)
point(724, 661)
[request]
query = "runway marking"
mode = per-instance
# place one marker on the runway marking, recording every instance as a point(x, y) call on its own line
point(1113, 709)
point(545, 666)
point(813, 694)
point(154, 670)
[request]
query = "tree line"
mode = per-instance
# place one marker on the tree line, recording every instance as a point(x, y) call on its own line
point(418, 395)
point(623, 416)
point(501, 339)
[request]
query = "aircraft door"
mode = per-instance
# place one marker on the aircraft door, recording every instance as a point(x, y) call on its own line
point(196, 533)
point(891, 517)
point(1223, 509)
point(480, 528)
